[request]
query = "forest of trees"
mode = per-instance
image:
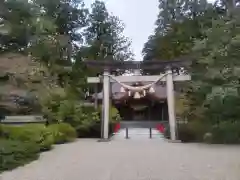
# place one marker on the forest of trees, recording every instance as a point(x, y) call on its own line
point(43, 44)
point(63, 33)
point(58, 35)
point(209, 34)
point(42, 48)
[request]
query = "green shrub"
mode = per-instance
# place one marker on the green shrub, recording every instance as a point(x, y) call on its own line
point(36, 133)
point(58, 107)
point(16, 153)
point(62, 133)
point(193, 131)
point(225, 133)
point(2, 132)
point(91, 126)
point(90, 122)
point(185, 133)
point(83, 119)
point(51, 102)
point(114, 115)
point(199, 129)
point(166, 132)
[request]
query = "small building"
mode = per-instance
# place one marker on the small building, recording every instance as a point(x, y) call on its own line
point(148, 107)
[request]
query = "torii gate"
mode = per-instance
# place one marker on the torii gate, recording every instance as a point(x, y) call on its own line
point(171, 71)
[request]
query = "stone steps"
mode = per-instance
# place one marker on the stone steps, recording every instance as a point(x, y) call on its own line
point(138, 133)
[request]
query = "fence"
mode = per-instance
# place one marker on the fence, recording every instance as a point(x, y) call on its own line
point(148, 125)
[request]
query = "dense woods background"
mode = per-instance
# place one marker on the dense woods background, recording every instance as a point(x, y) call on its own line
point(41, 40)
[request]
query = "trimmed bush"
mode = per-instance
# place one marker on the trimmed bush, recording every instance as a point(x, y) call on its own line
point(58, 107)
point(114, 115)
point(62, 133)
point(21, 144)
point(186, 134)
point(2, 132)
point(166, 132)
point(199, 129)
point(193, 131)
point(225, 133)
point(36, 133)
point(16, 153)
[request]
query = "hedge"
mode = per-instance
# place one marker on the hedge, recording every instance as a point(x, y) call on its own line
point(192, 131)
point(22, 144)
point(62, 133)
point(226, 132)
point(16, 153)
point(36, 133)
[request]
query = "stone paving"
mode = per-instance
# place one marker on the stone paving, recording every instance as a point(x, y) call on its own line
point(87, 159)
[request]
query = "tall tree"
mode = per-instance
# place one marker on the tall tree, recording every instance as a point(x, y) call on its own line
point(177, 27)
point(173, 37)
point(15, 23)
point(214, 90)
point(50, 31)
point(104, 36)
point(69, 17)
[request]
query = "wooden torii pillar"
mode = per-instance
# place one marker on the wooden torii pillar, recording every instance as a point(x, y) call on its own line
point(171, 104)
point(106, 104)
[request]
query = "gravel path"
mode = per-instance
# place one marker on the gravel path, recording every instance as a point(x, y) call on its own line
point(132, 160)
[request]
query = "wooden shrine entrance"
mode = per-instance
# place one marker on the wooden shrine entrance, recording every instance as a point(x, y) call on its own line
point(139, 87)
point(143, 109)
